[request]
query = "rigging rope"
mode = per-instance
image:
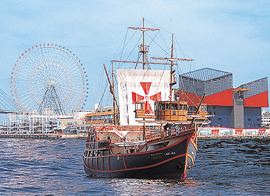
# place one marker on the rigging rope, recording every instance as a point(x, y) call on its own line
point(131, 50)
point(157, 44)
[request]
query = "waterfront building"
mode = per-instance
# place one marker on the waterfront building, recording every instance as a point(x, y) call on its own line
point(101, 116)
point(230, 106)
point(34, 123)
point(265, 119)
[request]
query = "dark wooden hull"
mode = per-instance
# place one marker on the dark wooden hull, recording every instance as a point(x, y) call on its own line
point(170, 162)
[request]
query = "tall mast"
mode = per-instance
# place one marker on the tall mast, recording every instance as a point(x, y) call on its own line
point(172, 60)
point(114, 103)
point(112, 91)
point(143, 51)
point(143, 48)
point(172, 83)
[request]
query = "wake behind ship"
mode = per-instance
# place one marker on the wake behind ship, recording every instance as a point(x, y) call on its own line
point(164, 150)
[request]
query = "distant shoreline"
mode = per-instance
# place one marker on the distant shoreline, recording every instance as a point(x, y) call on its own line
point(84, 136)
point(45, 136)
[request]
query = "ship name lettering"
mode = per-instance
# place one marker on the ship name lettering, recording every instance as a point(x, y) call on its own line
point(170, 153)
point(157, 157)
point(156, 154)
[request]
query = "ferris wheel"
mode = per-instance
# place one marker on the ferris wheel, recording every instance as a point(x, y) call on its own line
point(48, 77)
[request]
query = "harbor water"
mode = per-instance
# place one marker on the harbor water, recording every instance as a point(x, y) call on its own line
point(54, 167)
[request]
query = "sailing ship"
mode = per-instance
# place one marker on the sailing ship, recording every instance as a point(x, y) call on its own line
point(164, 150)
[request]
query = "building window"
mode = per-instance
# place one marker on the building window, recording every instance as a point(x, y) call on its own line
point(249, 119)
point(258, 119)
point(219, 119)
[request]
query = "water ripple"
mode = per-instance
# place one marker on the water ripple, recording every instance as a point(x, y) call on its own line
point(54, 167)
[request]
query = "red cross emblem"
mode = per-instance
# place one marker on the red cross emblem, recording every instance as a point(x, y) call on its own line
point(146, 87)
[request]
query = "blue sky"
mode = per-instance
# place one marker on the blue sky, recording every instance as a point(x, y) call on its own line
point(232, 36)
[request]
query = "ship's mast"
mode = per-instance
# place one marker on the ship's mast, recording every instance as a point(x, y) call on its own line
point(114, 99)
point(144, 51)
point(112, 91)
point(172, 83)
point(172, 60)
point(143, 48)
